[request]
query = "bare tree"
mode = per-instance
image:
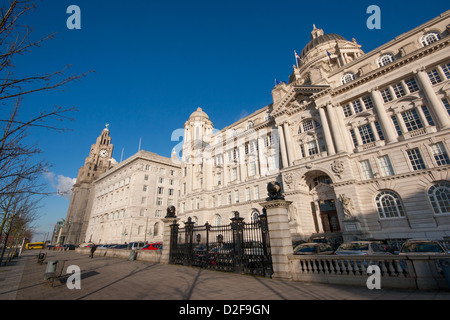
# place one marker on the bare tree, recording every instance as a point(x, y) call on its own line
point(20, 168)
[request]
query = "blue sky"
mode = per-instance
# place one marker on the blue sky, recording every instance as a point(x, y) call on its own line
point(155, 62)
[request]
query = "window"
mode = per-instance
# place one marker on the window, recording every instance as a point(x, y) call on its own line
point(217, 220)
point(309, 125)
point(312, 148)
point(143, 200)
point(252, 168)
point(399, 90)
point(379, 131)
point(147, 167)
point(428, 115)
point(248, 196)
point(355, 141)
point(366, 134)
point(434, 76)
point(144, 188)
point(429, 38)
point(446, 70)
point(357, 107)
point(160, 190)
point(412, 85)
point(146, 177)
point(219, 200)
point(439, 195)
point(347, 110)
point(389, 205)
point(415, 158)
point(396, 125)
point(158, 213)
point(159, 201)
point(347, 78)
point(368, 103)
point(161, 180)
point(234, 173)
point(256, 191)
point(447, 105)
point(219, 179)
point(412, 120)
point(386, 95)
point(366, 169)
point(229, 198)
point(236, 196)
point(250, 125)
point(170, 192)
point(385, 166)
point(440, 154)
point(385, 59)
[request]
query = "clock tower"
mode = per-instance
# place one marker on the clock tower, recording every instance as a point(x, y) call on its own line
point(97, 162)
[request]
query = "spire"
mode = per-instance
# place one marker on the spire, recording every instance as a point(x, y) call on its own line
point(316, 32)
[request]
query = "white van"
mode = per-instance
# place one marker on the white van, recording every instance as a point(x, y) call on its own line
point(136, 245)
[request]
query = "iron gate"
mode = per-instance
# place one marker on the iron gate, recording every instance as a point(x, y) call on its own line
point(238, 247)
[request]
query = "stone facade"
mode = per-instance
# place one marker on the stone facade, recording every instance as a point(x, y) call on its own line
point(358, 140)
point(131, 199)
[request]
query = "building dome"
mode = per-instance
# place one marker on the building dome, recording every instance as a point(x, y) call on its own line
point(199, 113)
point(319, 40)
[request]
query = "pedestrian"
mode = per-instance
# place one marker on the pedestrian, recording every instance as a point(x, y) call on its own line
point(93, 248)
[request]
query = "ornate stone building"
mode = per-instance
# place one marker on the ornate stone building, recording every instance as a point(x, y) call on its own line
point(99, 161)
point(130, 199)
point(358, 140)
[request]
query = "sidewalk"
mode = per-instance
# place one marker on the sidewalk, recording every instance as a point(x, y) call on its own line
point(105, 278)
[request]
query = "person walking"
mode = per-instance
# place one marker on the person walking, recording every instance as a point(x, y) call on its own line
point(93, 248)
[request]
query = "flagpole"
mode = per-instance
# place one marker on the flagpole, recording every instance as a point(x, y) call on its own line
point(296, 60)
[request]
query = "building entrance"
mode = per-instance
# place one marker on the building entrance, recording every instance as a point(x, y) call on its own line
point(328, 214)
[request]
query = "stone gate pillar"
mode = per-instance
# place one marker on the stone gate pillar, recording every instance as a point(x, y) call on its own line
point(276, 208)
point(168, 220)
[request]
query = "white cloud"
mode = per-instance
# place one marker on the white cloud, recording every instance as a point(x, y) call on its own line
point(62, 184)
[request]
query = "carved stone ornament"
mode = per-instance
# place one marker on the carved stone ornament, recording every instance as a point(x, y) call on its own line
point(289, 180)
point(338, 167)
point(346, 206)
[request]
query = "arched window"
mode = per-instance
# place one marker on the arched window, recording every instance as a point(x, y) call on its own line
point(385, 59)
point(255, 215)
point(156, 229)
point(348, 77)
point(439, 195)
point(250, 125)
point(389, 205)
point(429, 38)
point(217, 220)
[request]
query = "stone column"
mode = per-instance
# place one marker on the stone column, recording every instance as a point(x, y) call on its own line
point(169, 220)
point(289, 145)
point(442, 118)
point(327, 133)
point(385, 122)
point(283, 146)
point(337, 137)
point(280, 237)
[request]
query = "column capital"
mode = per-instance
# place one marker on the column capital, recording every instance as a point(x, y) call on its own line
point(420, 69)
point(275, 204)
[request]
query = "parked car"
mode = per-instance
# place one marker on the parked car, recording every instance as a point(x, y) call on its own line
point(422, 247)
point(69, 247)
point(313, 248)
point(362, 248)
point(153, 246)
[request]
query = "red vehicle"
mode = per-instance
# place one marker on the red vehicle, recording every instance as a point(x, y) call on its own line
point(153, 246)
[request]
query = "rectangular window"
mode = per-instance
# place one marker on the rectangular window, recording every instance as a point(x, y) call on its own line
point(219, 179)
point(236, 196)
point(312, 148)
point(158, 213)
point(144, 188)
point(146, 177)
point(386, 94)
point(379, 131)
point(219, 200)
point(355, 141)
point(234, 173)
point(428, 115)
point(412, 120)
point(147, 167)
point(347, 110)
point(434, 76)
point(412, 85)
point(397, 126)
point(256, 191)
point(399, 90)
point(415, 158)
point(447, 105)
point(252, 168)
point(160, 190)
point(368, 103)
point(440, 154)
point(357, 107)
point(248, 196)
point(229, 197)
point(446, 69)
point(170, 192)
point(366, 169)
point(366, 134)
point(159, 201)
point(386, 166)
